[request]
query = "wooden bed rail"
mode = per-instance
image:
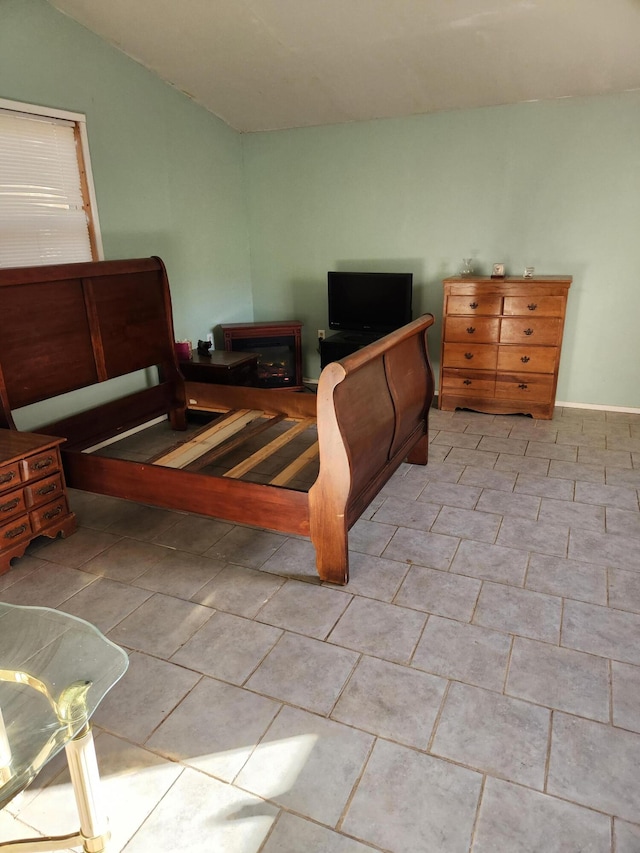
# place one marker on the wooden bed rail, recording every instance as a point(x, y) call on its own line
point(372, 411)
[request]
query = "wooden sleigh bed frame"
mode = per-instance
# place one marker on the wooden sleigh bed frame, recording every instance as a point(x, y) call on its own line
point(69, 326)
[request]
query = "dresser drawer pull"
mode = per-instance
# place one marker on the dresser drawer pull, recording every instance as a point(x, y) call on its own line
point(52, 513)
point(8, 477)
point(523, 385)
point(10, 505)
point(525, 359)
point(466, 382)
point(468, 356)
point(43, 463)
point(470, 330)
point(473, 305)
point(532, 306)
point(17, 531)
point(45, 490)
point(528, 331)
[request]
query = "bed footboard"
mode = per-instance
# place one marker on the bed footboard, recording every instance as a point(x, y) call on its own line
point(372, 411)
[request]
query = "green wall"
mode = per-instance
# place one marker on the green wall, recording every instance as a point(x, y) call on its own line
point(249, 225)
point(552, 185)
point(167, 174)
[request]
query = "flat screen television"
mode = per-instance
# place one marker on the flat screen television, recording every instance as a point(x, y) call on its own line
point(369, 302)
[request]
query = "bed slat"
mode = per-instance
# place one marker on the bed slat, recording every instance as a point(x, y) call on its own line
point(268, 449)
point(287, 474)
point(233, 443)
point(219, 432)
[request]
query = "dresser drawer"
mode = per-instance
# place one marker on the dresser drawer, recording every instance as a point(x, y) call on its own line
point(9, 476)
point(535, 388)
point(49, 513)
point(479, 329)
point(474, 304)
point(11, 505)
point(527, 359)
point(471, 355)
point(523, 330)
point(15, 531)
point(474, 382)
point(43, 490)
point(40, 464)
point(540, 306)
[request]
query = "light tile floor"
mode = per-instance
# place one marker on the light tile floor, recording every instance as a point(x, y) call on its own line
point(475, 688)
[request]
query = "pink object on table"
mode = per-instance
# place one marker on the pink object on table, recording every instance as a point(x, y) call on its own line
point(183, 350)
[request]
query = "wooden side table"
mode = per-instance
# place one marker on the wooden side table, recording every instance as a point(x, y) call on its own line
point(220, 367)
point(33, 498)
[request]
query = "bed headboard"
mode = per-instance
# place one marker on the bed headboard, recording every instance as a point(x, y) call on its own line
point(68, 326)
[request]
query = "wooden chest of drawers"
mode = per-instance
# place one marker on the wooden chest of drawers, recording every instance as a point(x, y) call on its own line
point(33, 498)
point(501, 342)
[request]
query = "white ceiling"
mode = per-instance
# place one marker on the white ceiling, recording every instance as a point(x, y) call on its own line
point(272, 64)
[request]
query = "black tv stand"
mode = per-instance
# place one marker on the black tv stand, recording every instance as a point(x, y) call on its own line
point(342, 344)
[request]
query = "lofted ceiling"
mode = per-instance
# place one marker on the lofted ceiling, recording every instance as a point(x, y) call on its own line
point(273, 64)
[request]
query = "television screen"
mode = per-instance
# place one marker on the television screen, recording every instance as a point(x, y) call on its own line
point(371, 302)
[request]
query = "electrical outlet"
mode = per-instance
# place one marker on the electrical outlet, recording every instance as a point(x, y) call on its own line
point(210, 338)
point(321, 334)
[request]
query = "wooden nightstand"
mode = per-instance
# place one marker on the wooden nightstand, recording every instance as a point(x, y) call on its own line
point(33, 497)
point(220, 367)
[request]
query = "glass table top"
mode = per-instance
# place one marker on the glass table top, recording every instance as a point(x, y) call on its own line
point(55, 669)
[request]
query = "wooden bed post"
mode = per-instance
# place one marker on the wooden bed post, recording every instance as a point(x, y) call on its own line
point(328, 497)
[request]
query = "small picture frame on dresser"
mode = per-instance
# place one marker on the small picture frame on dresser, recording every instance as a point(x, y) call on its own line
point(497, 271)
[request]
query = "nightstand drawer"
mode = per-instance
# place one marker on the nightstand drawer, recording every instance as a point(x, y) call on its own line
point(41, 464)
point(471, 355)
point(11, 505)
point(536, 388)
point(48, 514)
point(525, 330)
point(43, 491)
point(9, 476)
point(484, 330)
point(527, 359)
point(541, 306)
point(15, 531)
point(474, 304)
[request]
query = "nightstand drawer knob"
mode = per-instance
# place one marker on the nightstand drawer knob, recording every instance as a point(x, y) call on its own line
point(43, 463)
point(470, 330)
point(523, 385)
point(467, 382)
point(52, 513)
point(532, 306)
point(468, 356)
point(528, 332)
point(473, 305)
point(17, 531)
point(525, 359)
point(45, 490)
point(10, 505)
point(8, 477)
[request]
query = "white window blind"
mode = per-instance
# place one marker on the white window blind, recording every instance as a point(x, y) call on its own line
point(45, 211)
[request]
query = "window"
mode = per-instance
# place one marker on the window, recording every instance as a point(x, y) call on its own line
point(48, 213)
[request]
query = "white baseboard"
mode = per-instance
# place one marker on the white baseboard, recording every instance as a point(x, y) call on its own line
point(597, 407)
